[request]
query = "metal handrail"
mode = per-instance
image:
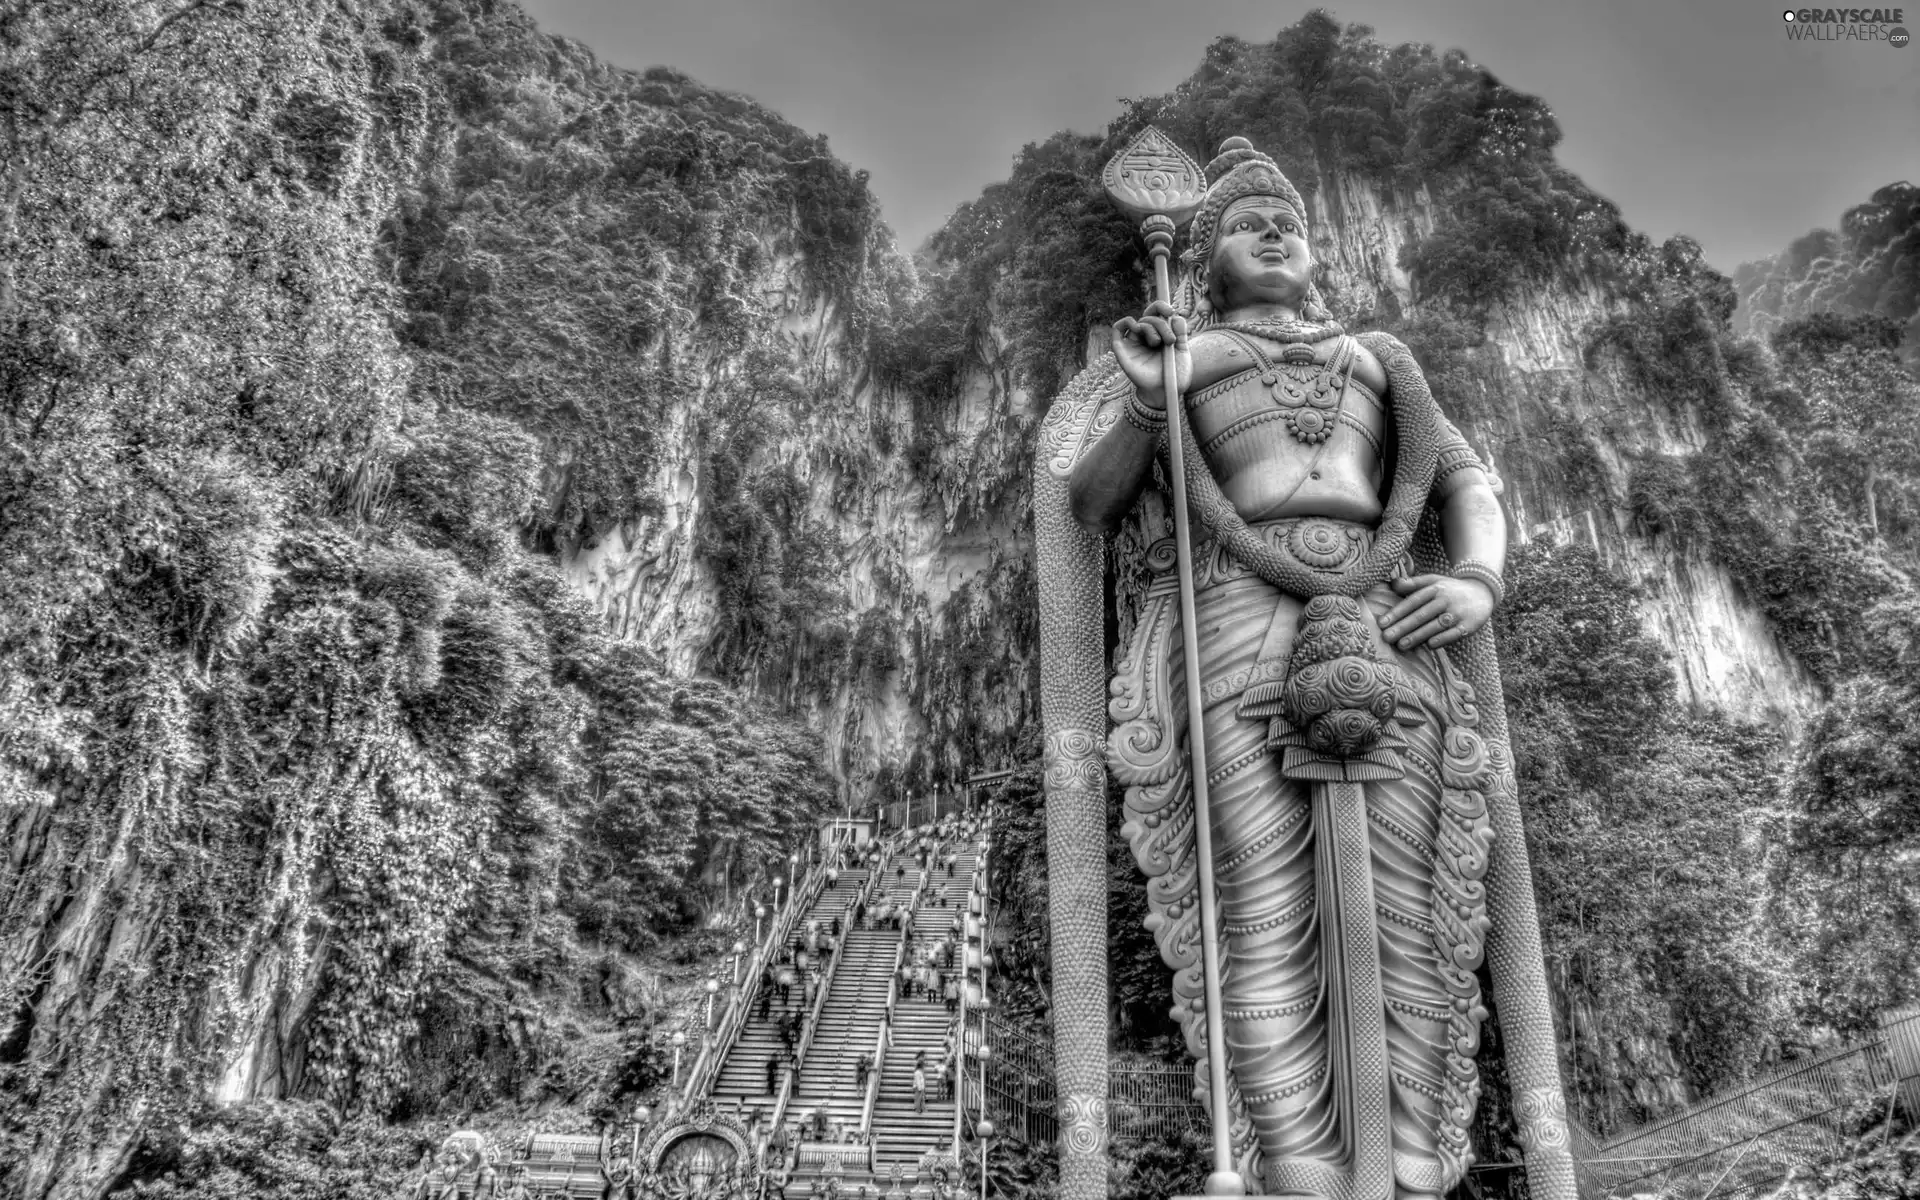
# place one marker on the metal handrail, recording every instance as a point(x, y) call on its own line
point(884, 1037)
point(800, 897)
point(960, 1020)
point(885, 1034)
point(819, 1002)
point(799, 1060)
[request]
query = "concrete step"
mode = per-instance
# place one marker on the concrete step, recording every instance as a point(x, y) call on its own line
point(850, 1019)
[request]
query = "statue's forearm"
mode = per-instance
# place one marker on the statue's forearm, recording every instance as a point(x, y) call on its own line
point(1108, 478)
point(1472, 524)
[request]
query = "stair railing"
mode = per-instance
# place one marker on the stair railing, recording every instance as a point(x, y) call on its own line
point(882, 1039)
point(801, 895)
point(819, 1002)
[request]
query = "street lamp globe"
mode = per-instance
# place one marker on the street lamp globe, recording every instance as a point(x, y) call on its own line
point(713, 985)
point(984, 1128)
point(642, 1114)
point(984, 1053)
point(741, 947)
point(759, 911)
point(679, 1039)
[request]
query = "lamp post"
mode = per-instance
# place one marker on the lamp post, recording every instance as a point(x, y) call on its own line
point(985, 1130)
point(793, 876)
point(713, 989)
point(776, 892)
point(739, 960)
point(759, 914)
point(679, 1040)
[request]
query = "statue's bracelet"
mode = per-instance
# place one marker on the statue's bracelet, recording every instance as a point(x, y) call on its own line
point(1479, 572)
point(1143, 416)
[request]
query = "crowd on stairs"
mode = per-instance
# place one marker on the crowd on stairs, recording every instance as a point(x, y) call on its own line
point(893, 917)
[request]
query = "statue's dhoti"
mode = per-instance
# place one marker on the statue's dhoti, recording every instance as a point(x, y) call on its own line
point(1348, 1065)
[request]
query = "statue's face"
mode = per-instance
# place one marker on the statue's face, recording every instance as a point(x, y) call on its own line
point(1260, 255)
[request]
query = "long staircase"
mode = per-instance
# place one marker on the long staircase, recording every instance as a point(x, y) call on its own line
point(849, 1021)
point(921, 1024)
point(861, 998)
point(743, 1073)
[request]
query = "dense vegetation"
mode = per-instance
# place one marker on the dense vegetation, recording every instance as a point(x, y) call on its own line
point(307, 389)
point(296, 723)
point(1869, 266)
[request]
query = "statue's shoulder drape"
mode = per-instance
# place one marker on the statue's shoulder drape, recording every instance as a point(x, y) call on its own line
point(1071, 563)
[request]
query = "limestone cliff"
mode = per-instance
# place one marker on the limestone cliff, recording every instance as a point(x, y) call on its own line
point(934, 549)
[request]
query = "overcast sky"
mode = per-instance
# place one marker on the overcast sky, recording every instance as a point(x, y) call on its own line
point(1695, 117)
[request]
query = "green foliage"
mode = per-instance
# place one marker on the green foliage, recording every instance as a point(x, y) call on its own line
point(1850, 897)
point(298, 744)
point(1022, 962)
point(1868, 267)
point(580, 225)
point(1663, 497)
point(1015, 1169)
point(1047, 255)
point(1147, 1168)
point(685, 775)
point(1649, 835)
point(290, 1151)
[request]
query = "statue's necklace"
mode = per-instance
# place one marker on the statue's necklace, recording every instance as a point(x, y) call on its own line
point(1290, 330)
point(1309, 394)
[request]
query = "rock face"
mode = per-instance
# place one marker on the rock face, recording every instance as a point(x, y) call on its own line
point(936, 549)
point(929, 550)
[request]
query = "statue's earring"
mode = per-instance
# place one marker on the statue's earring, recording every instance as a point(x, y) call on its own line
point(1316, 308)
point(1202, 303)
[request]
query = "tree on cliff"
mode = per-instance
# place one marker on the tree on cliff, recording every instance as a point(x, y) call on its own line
point(301, 739)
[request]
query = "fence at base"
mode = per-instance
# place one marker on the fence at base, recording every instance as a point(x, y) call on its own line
point(1731, 1145)
point(1803, 1113)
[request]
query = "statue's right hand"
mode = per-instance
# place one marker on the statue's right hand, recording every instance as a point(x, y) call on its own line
point(1139, 344)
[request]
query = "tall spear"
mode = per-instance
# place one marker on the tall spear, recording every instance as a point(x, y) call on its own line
point(1154, 182)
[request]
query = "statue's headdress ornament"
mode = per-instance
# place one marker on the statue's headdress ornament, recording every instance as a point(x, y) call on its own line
point(1237, 172)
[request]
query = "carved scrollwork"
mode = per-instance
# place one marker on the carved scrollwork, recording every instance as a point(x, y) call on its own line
point(1082, 414)
point(1542, 1117)
point(1083, 1122)
point(1074, 760)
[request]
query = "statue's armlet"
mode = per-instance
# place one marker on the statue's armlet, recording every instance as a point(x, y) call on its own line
point(1458, 466)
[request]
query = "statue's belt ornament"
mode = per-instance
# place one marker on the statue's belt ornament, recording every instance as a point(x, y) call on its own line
point(1323, 545)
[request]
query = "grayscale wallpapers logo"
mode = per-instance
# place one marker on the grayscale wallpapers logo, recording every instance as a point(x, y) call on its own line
point(1847, 25)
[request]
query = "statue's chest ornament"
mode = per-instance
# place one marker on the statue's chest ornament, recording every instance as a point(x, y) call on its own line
point(1308, 394)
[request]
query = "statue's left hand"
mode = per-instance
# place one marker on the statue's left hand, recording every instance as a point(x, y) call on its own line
point(1435, 610)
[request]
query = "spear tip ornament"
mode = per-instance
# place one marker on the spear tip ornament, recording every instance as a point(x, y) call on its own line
point(1153, 177)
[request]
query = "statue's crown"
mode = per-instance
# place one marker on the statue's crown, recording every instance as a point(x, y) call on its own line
point(1238, 170)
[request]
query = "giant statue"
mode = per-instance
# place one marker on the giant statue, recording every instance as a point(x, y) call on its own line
point(1334, 852)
